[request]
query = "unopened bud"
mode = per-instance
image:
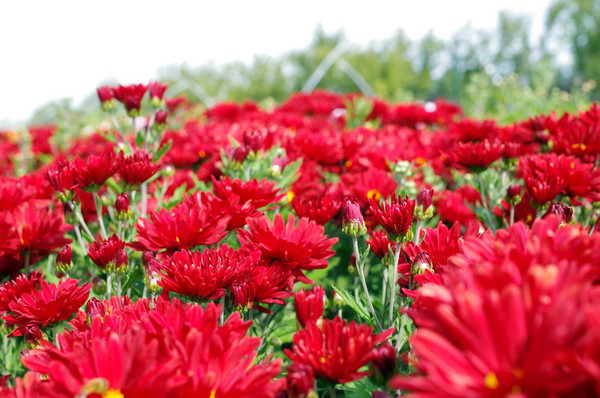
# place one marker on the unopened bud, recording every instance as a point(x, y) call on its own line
point(353, 222)
point(562, 212)
point(424, 204)
point(63, 259)
point(122, 207)
point(514, 194)
point(383, 364)
point(421, 262)
point(98, 286)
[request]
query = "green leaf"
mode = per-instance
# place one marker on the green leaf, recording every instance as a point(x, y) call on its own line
point(289, 174)
point(357, 306)
point(135, 276)
point(162, 151)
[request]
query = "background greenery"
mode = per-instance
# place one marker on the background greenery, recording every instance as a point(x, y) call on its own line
point(500, 73)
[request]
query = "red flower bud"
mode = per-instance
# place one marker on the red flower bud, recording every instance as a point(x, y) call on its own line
point(238, 154)
point(94, 307)
point(130, 96)
point(425, 198)
point(33, 333)
point(108, 255)
point(98, 286)
point(383, 364)
point(122, 206)
point(421, 262)
point(63, 259)
point(157, 90)
point(104, 94)
point(563, 213)
point(254, 139)
point(300, 380)
point(160, 119)
point(514, 191)
point(353, 222)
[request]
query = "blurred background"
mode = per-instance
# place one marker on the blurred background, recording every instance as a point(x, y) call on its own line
point(507, 59)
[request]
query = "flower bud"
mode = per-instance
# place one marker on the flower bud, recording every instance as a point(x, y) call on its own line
point(300, 380)
point(421, 262)
point(383, 364)
point(105, 96)
point(514, 194)
point(63, 259)
point(424, 204)
point(122, 207)
point(278, 165)
point(98, 286)
point(275, 341)
point(338, 301)
point(93, 308)
point(254, 139)
point(160, 120)
point(70, 217)
point(353, 222)
point(157, 91)
point(238, 155)
point(563, 213)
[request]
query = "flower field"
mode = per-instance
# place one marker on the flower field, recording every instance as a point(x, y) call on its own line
point(334, 245)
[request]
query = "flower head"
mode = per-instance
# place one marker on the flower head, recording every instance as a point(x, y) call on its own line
point(300, 247)
point(47, 304)
point(135, 169)
point(62, 178)
point(157, 91)
point(106, 98)
point(206, 274)
point(319, 210)
point(109, 255)
point(92, 173)
point(309, 305)
point(476, 155)
point(63, 259)
point(130, 96)
point(337, 350)
point(395, 217)
point(380, 244)
point(353, 222)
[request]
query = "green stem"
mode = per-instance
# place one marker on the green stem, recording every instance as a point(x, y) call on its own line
point(361, 273)
point(98, 204)
point(332, 392)
point(79, 216)
point(417, 232)
point(144, 190)
point(394, 282)
point(512, 214)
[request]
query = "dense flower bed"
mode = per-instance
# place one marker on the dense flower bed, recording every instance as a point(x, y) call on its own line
point(331, 245)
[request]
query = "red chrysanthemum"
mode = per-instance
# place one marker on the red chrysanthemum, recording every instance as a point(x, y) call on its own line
point(511, 318)
point(109, 255)
point(135, 169)
point(13, 290)
point(394, 216)
point(46, 305)
point(206, 274)
point(309, 305)
point(372, 184)
point(262, 284)
point(62, 178)
point(319, 210)
point(169, 351)
point(337, 350)
point(301, 247)
point(476, 155)
point(380, 244)
point(92, 173)
point(130, 96)
point(181, 228)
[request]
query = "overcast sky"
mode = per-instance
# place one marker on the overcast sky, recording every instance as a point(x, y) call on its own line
point(58, 49)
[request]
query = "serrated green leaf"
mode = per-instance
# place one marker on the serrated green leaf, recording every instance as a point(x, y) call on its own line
point(162, 151)
point(356, 306)
point(289, 174)
point(133, 277)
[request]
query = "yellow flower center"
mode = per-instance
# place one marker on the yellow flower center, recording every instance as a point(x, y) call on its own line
point(112, 394)
point(491, 381)
point(578, 145)
point(420, 161)
point(290, 196)
point(177, 239)
point(202, 154)
point(374, 194)
point(348, 163)
point(213, 394)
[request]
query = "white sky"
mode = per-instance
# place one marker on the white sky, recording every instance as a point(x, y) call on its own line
point(58, 49)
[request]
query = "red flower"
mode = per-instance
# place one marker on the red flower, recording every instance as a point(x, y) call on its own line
point(92, 173)
point(135, 169)
point(452, 205)
point(109, 255)
point(301, 247)
point(309, 305)
point(336, 351)
point(182, 227)
point(262, 284)
point(46, 305)
point(540, 280)
point(379, 243)
point(171, 350)
point(372, 184)
point(13, 290)
point(542, 177)
point(395, 217)
point(157, 91)
point(353, 222)
point(206, 274)
point(62, 178)
point(130, 96)
point(476, 155)
point(319, 210)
